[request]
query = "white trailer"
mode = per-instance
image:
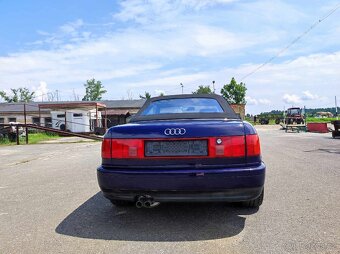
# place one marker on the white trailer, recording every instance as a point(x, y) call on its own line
point(77, 120)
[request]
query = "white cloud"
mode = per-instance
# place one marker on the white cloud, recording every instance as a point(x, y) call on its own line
point(264, 101)
point(307, 95)
point(145, 12)
point(125, 54)
point(291, 99)
point(41, 91)
point(69, 32)
point(69, 68)
point(251, 101)
point(213, 41)
point(72, 27)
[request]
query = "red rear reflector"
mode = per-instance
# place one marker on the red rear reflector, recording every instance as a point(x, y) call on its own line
point(220, 150)
point(106, 149)
point(253, 145)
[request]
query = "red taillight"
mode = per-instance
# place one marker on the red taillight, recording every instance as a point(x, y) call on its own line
point(127, 148)
point(106, 149)
point(233, 146)
point(122, 148)
point(253, 145)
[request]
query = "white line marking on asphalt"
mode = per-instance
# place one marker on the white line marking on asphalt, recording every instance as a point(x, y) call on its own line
point(3, 214)
point(3, 187)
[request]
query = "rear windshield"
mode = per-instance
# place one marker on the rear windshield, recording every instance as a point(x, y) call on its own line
point(294, 111)
point(183, 105)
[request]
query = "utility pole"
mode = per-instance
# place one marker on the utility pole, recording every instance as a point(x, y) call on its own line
point(336, 109)
point(57, 91)
point(26, 129)
point(305, 116)
point(284, 116)
point(213, 85)
point(182, 87)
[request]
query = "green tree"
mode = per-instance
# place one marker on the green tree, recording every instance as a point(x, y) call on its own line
point(146, 96)
point(234, 93)
point(21, 94)
point(203, 90)
point(94, 90)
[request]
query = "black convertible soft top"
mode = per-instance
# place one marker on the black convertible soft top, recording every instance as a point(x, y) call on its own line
point(228, 112)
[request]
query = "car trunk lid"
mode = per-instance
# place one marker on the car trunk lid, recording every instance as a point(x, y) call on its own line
point(179, 143)
point(178, 128)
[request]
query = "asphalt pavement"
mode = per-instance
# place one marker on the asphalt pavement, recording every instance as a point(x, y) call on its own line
point(50, 203)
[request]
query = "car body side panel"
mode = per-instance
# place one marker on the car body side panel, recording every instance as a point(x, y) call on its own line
point(248, 128)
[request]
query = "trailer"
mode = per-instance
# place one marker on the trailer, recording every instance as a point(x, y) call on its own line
point(79, 121)
point(77, 117)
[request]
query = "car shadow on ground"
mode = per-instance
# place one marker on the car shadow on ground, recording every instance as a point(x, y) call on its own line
point(98, 219)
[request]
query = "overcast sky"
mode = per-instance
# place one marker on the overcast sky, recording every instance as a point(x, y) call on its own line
point(135, 46)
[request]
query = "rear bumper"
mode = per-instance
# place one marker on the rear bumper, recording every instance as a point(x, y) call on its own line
point(233, 195)
point(226, 184)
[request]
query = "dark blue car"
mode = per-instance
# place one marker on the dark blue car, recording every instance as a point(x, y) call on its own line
point(182, 148)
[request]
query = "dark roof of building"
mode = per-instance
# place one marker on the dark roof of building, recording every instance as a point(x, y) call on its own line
point(18, 107)
point(34, 106)
point(115, 112)
point(123, 103)
point(72, 105)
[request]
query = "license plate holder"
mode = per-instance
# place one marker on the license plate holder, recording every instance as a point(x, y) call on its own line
point(174, 148)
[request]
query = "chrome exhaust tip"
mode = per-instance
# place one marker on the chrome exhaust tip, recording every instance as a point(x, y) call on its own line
point(146, 201)
point(139, 204)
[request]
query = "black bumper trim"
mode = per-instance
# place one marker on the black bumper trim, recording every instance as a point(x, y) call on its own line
point(231, 195)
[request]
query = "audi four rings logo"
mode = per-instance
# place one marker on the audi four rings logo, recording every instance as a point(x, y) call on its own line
point(174, 131)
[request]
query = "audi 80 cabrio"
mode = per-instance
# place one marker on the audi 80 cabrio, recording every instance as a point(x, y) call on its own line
point(182, 148)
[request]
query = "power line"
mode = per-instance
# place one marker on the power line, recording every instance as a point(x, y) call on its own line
point(292, 42)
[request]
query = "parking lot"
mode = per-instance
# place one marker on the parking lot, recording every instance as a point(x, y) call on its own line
point(50, 203)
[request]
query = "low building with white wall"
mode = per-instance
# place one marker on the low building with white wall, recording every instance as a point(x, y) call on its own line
point(109, 113)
